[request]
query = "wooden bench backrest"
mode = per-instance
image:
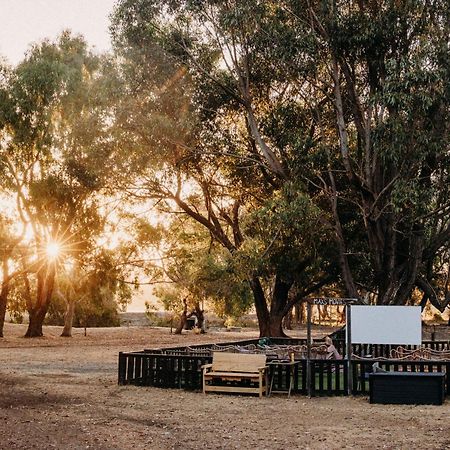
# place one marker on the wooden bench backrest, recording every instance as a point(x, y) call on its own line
point(237, 362)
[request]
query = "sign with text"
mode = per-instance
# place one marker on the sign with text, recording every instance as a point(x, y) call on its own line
point(400, 325)
point(331, 301)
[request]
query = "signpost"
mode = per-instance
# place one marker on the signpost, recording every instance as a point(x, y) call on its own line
point(320, 301)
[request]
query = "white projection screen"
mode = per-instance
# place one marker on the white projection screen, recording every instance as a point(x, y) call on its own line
point(386, 325)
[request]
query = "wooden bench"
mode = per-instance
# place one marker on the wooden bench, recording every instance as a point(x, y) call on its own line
point(414, 388)
point(236, 372)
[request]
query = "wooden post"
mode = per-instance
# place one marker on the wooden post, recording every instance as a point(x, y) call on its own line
point(308, 349)
point(336, 302)
point(122, 368)
point(349, 349)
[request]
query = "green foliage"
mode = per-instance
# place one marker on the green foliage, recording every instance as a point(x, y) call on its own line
point(59, 114)
point(16, 305)
point(224, 113)
point(201, 274)
point(96, 289)
point(392, 73)
point(216, 154)
point(157, 319)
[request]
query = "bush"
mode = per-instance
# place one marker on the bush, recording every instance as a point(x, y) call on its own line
point(87, 314)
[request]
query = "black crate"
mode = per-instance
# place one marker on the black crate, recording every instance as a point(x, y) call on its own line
point(407, 388)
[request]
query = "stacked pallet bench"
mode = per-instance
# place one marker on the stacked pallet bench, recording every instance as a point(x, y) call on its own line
point(236, 373)
point(407, 388)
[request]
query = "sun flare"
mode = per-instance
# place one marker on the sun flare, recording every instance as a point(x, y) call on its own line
point(53, 249)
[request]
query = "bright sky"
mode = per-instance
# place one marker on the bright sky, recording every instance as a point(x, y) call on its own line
point(25, 21)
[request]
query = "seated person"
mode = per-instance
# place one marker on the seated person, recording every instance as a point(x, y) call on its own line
point(376, 368)
point(332, 353)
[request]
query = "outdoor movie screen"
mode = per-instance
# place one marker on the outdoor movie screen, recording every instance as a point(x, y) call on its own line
point(386, 325)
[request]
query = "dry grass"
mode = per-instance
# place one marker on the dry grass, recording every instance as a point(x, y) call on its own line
point(62, 393)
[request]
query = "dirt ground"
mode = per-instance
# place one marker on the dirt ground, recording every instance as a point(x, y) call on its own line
point(62, 393)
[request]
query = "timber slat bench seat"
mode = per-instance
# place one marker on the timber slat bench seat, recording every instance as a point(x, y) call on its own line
point(236, 372)
point(413, 388)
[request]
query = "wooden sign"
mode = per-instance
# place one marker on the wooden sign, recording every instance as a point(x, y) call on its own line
point(331, 301)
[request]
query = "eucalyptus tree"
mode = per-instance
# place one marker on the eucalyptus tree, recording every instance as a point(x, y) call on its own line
point(207, 107)
point(8, 251)
point(97, 292)
point(199, 275)
point(387, 78)
point(344, 101)
point(53, 132)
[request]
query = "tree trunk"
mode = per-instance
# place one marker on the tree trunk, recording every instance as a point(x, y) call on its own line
point(183, 318)
point(271, 322)
point(4, 295)
point(276, 326)
point(262, 312)
point(68, 319)
point(36, 316)
point(45, 284)
point(199, 313)
point(3, 302)
point(279, 306)
point(297, 313)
